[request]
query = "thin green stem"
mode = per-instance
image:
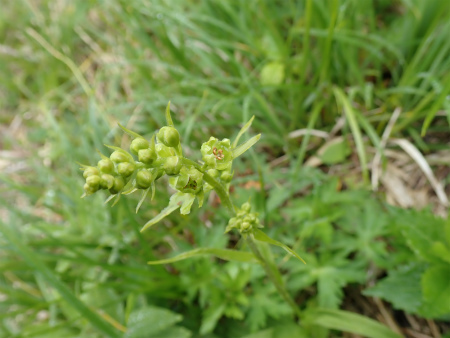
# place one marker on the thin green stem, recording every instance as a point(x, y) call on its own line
point(271, 270)
point(272, 274)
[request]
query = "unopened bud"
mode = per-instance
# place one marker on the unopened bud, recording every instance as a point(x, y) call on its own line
point(90, 171)
point(144, 179)
point(146, 156)
point(107, 181)
point(172, 165)
point(118, 185)
point(126, 169)
point(169, 136)
point(138, 144)
point(106, 166)
point(93, 181)
point(119, 157)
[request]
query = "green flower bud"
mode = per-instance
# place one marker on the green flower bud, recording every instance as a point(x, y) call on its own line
point(88, 189)
point(93, 181)
point(90, 171)
point(172, 165)
point(106, 166)
point(169, 136)
point(107, 181)
point(118, 185)
point(190, 180)
point(126, 169)
point(246, 207)
point(245, 226)
point(119, 157)
point(164, 151)
point(217, 154)
point(144, 179)
point(226, 176)
point(146, 156)
point(138, 144)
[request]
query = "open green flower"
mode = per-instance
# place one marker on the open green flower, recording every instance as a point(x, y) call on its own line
point(217, 154)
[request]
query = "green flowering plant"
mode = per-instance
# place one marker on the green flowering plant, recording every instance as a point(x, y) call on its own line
point(123, 173)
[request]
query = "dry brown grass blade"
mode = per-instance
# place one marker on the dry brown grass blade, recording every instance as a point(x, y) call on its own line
point(417, 156)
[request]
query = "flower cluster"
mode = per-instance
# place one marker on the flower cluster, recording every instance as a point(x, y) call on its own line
point(124, 172)
point(245, 221)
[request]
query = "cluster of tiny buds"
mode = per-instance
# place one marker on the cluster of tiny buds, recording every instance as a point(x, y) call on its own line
point(245, 221)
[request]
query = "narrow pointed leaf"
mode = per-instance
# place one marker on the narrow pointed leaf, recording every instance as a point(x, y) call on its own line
point(352, 322)
point(130, 132)
point(109, 198)
point(153, 190)
point(176, 201)
point(116, 200)
point(225, 254)
point(122, 151)
point(101, 155)
point(143, 196)
point(168, 117)
point(242, 131)
point(262, 237)
point(245, 146)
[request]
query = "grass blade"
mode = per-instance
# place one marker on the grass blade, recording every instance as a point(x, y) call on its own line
point(225, 254)
point(350, 114)
point(33, 261)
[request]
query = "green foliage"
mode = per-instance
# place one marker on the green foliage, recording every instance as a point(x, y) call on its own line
point(71, 71)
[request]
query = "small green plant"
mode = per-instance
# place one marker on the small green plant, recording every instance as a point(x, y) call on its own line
point(122, 174)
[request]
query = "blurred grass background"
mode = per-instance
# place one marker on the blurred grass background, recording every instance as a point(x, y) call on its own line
point(70, 71)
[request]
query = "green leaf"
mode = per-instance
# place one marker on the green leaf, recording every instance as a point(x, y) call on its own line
point(143, 196)
point(150, 321)
point(130, 132)
point(401, 288)
point(177, 200)
point(168, 117)
point(336, 152)
point(436, 291)
point(33, 261)
point(225, 254)
point(351, 322)
point(242, 131)
point(245, 146)
point(261, 236)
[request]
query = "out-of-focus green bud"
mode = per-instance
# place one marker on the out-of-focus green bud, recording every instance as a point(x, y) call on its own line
point(164, 151)
point(217, 154)
point(146, 156)
point(126, 169)
point(172, 165)
point(169, 136)
point(118, 185)
point(107, 181)
point(246, 207)
point(90, 171)
point(88, 189)
point(138, 144)
point(144, 179)
point(190, 180)
point(226, 176)
point(93, 181)
point(119, 157)
point(106, 166)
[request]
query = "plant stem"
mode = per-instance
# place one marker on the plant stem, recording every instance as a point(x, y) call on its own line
point(271, 270)
point(272, 274)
